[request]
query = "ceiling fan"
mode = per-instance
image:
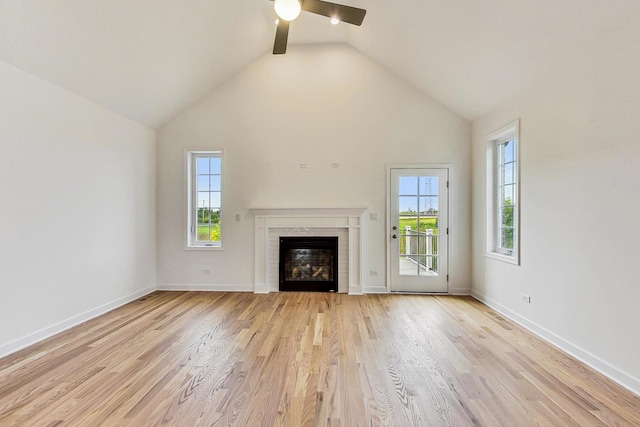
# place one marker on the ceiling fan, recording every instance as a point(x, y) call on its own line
point(288, 10)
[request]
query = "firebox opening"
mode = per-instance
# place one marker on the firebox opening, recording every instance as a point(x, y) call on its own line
point(309, 263)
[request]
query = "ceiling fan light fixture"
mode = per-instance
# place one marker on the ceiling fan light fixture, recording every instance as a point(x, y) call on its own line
point(287, 9)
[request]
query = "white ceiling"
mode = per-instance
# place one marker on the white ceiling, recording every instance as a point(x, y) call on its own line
point(151, 59)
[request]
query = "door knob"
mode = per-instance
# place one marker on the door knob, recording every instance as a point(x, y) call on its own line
point(394, 227)
point(394, 236)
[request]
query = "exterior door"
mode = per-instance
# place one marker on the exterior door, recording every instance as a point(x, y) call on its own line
point(418, 230)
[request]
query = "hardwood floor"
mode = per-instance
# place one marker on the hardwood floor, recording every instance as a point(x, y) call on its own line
point(304, 359)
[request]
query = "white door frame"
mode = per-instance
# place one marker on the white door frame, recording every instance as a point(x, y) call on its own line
point(388, 225)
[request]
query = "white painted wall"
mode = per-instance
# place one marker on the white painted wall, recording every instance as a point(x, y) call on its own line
point(315, 105)
point(77, 194)
point(580, 195)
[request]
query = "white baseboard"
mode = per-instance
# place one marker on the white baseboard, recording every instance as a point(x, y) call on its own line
point(625, 380)
point(460, 291)
point(375, 290)
point(384, 290)
point(205, 288)
point(49, 331)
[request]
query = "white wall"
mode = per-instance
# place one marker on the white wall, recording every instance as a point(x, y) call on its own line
point(314, 105)
point(77, 194)
point(580, 195)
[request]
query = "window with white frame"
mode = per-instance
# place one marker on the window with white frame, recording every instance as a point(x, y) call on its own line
point(204, 224)
point(503, 206)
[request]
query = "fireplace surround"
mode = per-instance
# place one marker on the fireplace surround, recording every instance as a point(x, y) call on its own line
point(273, 223)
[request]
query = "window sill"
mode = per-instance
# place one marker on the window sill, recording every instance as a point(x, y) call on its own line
point(203, 248)
point(504, 258)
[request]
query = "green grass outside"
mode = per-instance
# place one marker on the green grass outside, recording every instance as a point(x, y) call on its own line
point(425, 224)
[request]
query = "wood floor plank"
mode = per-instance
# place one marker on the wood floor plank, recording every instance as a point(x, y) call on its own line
point(304, 359)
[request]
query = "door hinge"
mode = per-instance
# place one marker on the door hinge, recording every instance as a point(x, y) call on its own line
point(447, 231)
point(447, 277)
point(447, 184)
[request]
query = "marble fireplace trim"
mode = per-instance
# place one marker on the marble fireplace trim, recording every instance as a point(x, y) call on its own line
point(270, 222)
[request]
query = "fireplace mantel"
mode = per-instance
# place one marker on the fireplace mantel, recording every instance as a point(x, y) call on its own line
point(307, 219)
point(313, 212)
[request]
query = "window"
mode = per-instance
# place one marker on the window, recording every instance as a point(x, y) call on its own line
point(503, 205)
point(205, 199)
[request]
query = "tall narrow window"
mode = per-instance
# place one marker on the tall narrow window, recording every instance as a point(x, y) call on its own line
point(506, 203)
point(205, 199)
point(503, 194)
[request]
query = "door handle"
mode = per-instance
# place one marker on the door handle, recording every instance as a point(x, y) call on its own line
point(394, 236)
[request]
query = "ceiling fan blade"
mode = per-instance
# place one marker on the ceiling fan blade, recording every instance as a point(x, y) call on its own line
point(282, 34)
point(349, 14)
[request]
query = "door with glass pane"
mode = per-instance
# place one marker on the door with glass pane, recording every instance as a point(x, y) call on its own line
point(418, 230)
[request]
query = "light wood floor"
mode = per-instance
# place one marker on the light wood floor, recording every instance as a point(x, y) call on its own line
point(304, 359)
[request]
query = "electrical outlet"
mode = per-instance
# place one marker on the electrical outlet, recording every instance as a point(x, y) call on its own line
point(526, 298)
point(206, 270)
point(303, 165)
point(374, 272)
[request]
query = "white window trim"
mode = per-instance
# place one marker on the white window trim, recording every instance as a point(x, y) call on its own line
point(190, 243)
point(501, 135)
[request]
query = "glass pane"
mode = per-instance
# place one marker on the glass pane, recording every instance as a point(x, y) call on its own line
point(308, 264)
point(203, 232)
point(423, 265)
point(216, 165)
point(203, 199)
point(430, 265)
point(403, 245)
point(428, 185)
point(215, 182)
point(507, 195)
point(204, 216)
point(408, 225)
point(214, 216)
point(408, 265)
point(428, 243)
point(410, 242)
point(202, 167)
point(509, 151)
point(508, 173)
point(203, 183)
point(506, 238)
point(214, 225)
point(408, 185)
point(507, 216)
point(407, 205)
point(215, 232)
point(422, 244)
point(214, 199)
point(428, 225)
point(429, 205)
point(433, 243)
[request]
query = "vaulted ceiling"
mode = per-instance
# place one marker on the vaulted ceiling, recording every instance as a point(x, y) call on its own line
point(151, 59)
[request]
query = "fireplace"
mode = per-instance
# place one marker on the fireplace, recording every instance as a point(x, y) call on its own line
point(273, 223)
point(308, 263)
